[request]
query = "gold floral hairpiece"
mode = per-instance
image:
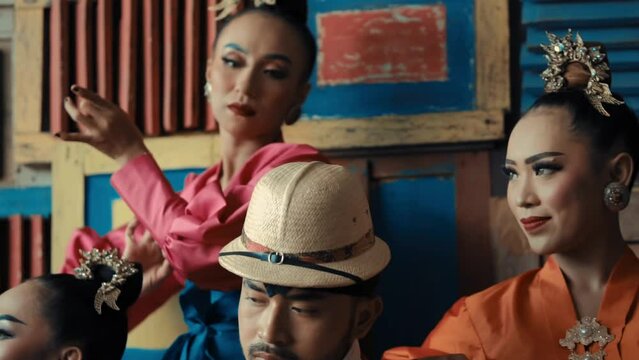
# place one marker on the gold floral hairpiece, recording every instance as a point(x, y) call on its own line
point(107, 293)
point(227, 7)
point(563, 51)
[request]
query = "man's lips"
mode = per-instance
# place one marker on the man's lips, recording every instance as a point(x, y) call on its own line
point(242, 109)
point(534, 222)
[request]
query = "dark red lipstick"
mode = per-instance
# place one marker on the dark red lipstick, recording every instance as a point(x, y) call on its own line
point(242, 109)
point(533, 223)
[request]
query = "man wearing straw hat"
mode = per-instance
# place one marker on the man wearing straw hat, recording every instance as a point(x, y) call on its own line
point(310, 262)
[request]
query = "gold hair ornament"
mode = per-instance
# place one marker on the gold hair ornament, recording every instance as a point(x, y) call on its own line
point(228, 7)
point(107, 293)
point(563, 51)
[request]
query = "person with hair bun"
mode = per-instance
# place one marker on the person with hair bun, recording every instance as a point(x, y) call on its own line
point(257, 79)
point(62, 316)
point(571, 163)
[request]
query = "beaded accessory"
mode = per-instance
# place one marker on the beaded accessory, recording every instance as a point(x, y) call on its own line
point(563, 51)
point(109, 292)
point(228, 7)
point(586, 332)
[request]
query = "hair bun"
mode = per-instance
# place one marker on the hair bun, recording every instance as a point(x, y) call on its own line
point(129, 291)
point(577, 74)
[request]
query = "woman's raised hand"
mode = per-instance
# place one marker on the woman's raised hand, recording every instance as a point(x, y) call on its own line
point(103, 125)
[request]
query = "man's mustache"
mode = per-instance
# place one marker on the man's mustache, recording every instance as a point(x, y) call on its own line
point(273, 350)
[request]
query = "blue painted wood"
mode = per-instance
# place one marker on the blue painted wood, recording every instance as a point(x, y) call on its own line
point(613, 23)
point(25, 201)
point(100, 196)
point(417, 217)
point(366, 100)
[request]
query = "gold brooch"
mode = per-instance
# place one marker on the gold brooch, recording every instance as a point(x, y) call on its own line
point(227, 7)
point(587, 332)
point(563, 51)
point(107, 293)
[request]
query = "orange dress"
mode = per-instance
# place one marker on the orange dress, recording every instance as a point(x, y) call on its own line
point(525, 317)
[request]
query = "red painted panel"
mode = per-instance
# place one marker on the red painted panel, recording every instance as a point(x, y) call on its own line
point(128, 56)
point(15, 251)
point(211, 124)
point(37, 246)
point(59, 65)
point(152, 41)
point(105, 49)
point(400, 44)
point(192, 88)
point(171, 47)
point(84, 44)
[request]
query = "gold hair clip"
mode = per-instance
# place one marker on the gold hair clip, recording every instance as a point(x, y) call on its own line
point(107, 293)
point(563, 51)
point(228, 7)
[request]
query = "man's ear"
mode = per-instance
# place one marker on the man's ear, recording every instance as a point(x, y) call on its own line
point(366, 313)
point(70, 353)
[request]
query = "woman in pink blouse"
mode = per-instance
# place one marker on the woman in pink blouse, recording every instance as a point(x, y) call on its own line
point(257, 79)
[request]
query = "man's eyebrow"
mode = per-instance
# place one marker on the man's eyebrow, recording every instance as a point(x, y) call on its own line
point(254, 286)
point(11, 318)
point(302, 295)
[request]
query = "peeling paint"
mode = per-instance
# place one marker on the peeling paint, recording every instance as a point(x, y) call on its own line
point(393, 45)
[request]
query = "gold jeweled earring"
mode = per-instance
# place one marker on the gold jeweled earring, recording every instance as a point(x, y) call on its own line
point(616, 196)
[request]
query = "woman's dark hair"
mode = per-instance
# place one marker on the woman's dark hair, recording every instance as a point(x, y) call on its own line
point(66, 303)
point(294, 13)
point(620, 130)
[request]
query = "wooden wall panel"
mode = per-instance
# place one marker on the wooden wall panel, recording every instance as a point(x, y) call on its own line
point(152, 75)
point(105, 45)
point(171, 66)
point(59, 65)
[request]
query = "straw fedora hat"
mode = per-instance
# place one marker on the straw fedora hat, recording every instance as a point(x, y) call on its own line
point(308, 226)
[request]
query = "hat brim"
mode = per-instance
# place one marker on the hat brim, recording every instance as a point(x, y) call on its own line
point(364, 266)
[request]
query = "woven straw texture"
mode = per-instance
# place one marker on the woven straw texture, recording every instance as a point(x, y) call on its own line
point(307, 207)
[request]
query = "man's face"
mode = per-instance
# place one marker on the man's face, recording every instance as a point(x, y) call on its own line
point(296, 323)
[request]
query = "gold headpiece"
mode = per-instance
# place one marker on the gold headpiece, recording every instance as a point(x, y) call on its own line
point(563, 51)
point(228, 7)
point(107, 293)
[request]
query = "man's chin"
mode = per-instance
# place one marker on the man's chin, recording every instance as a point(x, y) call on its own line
point(264, 351)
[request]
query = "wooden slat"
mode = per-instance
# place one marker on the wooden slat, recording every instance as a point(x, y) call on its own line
point(28, 55)
point(493, 74)
point(59, 63)
point(452, 127)
point(170, 92)
point(84, 54)
point(68, 201)
point(105, 49)
point(37, 246)
point(210, 124)
point(152, 40)
point(15, 251)
point(33, 148)
point(192, 91)
point(172, 152)
point(31, 4)
point(128, 56)
point(473, 221)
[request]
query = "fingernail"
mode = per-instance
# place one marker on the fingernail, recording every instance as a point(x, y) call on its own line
point(75, 88)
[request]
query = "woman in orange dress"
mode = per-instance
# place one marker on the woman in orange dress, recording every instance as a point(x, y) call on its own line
point(571, 162)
